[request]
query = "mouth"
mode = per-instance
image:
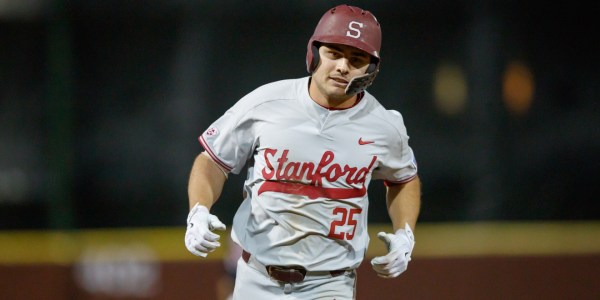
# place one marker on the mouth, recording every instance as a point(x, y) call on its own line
point(338, 81)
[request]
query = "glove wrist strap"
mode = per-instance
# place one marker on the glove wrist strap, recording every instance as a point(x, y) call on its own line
point(198, 208)
point(406, 231)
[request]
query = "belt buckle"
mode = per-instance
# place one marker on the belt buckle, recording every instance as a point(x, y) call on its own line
point(292, 274)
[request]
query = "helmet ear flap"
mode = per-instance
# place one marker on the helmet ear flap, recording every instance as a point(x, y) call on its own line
point(372, 66)
point(315, 56)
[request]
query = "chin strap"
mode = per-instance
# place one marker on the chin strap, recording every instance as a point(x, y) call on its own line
point(360, 83)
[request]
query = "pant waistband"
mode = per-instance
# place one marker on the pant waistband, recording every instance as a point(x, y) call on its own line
point(287, 274)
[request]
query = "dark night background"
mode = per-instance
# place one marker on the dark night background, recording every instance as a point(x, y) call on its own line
point(101, 104)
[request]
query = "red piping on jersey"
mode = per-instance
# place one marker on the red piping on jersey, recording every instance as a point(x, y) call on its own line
point(392, 183)
point(212, 155)
point(310, 191)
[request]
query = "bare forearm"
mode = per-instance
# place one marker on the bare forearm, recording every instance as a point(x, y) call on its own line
point(404, 203)
point(206, 182)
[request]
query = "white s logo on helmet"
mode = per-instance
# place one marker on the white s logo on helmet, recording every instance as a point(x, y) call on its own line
point(354, 30)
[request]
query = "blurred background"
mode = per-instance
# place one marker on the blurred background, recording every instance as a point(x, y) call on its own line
point(102, 102)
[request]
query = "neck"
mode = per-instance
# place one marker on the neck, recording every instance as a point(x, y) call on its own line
point(331, 102)
point(336, 104)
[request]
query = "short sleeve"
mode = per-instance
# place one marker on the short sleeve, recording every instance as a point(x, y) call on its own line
point(230, 139)
point(399, 165)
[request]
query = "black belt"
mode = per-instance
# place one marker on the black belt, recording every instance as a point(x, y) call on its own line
point(288, 274)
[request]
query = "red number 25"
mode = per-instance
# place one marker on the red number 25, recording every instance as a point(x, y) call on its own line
point(347, 219)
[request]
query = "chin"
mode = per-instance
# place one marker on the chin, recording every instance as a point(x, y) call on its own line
point(338, 90)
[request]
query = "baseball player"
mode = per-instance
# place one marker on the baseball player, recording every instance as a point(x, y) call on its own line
point(312, 146)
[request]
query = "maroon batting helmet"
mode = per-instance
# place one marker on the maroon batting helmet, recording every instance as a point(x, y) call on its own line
point(346, 25)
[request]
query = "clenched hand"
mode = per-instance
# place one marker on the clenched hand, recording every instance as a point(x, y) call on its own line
point(400, 246)
point(199, 238)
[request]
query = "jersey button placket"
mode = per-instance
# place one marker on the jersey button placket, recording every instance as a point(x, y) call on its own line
point(287, 288)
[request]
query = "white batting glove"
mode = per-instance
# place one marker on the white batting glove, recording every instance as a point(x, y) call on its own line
point(400, 246)
point(199, 238)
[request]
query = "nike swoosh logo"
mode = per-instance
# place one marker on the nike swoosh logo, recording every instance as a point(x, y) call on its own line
point(361, 142)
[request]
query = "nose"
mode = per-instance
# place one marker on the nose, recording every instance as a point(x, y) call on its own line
point(343, 65)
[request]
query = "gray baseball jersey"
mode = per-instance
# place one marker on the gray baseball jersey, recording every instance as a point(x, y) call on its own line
point(308, 174)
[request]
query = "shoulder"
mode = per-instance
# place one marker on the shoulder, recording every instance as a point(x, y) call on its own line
point(281, 90)
point(283, 86)
point(386, 117)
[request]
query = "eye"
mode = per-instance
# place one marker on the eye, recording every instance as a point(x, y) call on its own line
point(334, 54)
point(359, 61)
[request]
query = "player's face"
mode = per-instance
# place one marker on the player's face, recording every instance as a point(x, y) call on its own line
point(338, 64)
